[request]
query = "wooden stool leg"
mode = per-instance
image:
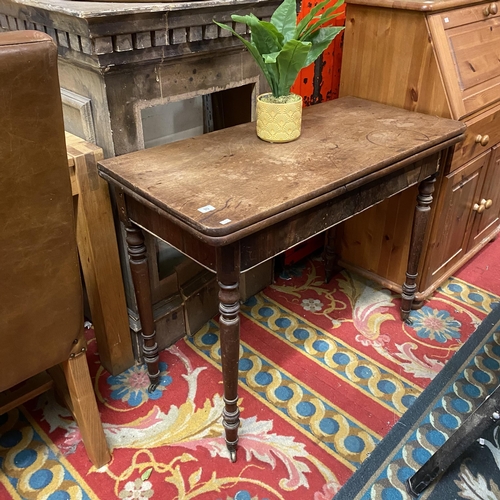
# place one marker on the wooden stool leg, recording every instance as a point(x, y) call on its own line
point(84, 407)
point(138, 259)
point(98, 250)
point(420, 220)
point(229, 307)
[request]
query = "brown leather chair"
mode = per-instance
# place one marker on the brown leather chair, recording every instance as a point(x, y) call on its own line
point(41, 300)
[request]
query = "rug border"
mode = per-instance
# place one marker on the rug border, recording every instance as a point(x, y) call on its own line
point(359, 480)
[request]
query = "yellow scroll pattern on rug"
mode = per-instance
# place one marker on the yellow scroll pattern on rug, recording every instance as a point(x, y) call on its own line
point(28, 461)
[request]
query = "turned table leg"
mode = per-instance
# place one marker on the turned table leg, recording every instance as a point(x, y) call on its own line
point(420, 220)
point(138, 259)
point(228, 275)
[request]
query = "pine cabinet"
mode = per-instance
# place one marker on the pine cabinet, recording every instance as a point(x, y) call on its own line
point(441, 58)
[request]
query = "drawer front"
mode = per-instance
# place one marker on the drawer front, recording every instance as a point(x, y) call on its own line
point(467, 44)
point(482, 133)
point(469, 15)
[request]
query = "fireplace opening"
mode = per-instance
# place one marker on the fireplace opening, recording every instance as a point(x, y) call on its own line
point(181, 119)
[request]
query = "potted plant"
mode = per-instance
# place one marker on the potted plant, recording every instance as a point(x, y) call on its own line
point(282, 47)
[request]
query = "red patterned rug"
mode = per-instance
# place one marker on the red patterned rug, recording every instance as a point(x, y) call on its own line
point(325, 372)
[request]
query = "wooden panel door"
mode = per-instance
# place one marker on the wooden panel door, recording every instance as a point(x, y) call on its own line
point(486, 220)
point(452, 224)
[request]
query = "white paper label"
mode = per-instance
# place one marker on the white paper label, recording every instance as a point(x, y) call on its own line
point(225, 221)
point(446, 20)
point(206, 208)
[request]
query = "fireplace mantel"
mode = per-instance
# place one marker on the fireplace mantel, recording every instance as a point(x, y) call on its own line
point(107, 35)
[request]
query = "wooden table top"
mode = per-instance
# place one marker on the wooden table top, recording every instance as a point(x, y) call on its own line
point(221, 182)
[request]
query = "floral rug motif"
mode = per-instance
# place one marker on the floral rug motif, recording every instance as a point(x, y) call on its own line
point(325, 372)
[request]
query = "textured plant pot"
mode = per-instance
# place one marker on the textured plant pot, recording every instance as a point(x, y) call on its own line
point(279, 122)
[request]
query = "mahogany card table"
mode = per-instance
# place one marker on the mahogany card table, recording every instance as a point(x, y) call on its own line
point(231, 201)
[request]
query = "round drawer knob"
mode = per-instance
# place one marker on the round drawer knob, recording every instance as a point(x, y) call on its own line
point(488, 203)
point(492, 8)
point(482, 139)
point(478, 208)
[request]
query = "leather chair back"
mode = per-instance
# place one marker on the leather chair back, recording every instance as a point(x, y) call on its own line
point(41, 306)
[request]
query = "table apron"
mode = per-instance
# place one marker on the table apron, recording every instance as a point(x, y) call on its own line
point(154, 221)
point(272, 240)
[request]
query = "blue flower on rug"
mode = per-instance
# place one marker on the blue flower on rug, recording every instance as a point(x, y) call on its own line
point(435, 324)
point(131, 386)
point(244, 495)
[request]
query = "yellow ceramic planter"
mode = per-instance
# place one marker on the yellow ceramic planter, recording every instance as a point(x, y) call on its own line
point(278, 122)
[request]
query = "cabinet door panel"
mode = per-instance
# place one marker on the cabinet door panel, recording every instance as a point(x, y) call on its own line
point(451, 230)
point(488, 220)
